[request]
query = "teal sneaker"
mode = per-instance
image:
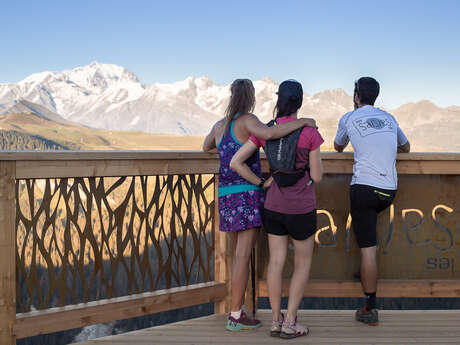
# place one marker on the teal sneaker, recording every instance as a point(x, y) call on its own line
point(242, 323)
point(369, 317)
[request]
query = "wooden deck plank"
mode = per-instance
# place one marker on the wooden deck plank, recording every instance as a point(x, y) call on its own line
point(326, 327)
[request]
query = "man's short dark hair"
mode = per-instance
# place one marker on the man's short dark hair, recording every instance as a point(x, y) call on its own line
point(367, 89)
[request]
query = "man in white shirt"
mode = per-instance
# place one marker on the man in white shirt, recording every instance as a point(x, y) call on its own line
point(376, 139)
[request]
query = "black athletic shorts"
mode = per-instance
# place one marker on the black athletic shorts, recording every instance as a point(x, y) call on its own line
point(365, 203)
point(298, 226)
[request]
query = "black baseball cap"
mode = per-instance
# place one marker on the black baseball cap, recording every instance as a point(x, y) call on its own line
point(290, 89)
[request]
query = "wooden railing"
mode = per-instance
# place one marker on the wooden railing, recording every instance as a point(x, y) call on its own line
point(90, 237)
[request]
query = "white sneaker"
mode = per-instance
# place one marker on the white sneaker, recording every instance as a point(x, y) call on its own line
point(275, 329)
point(292, 330)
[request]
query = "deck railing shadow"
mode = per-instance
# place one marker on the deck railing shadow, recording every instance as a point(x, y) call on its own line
point(91, 237)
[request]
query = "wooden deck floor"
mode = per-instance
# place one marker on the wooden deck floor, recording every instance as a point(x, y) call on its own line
point(326, 327)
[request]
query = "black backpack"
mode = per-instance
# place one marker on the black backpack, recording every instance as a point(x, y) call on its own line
point(281, 155)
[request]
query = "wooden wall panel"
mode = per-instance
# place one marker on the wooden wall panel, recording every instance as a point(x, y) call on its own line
point(419, 235)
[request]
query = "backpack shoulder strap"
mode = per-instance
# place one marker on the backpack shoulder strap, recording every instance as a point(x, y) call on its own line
point(281, 153)
point(271, 123)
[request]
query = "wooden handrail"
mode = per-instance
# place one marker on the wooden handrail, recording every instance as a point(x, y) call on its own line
point(135, 163)
point(186, 155)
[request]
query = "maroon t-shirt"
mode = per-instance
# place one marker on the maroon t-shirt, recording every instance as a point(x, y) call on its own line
point(299, 198)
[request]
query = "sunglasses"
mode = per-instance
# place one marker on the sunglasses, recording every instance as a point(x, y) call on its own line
point(357, 86)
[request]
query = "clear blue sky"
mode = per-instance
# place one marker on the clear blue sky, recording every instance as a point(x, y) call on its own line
point(412, 47)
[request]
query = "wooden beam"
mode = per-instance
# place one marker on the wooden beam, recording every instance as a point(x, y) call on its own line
point(429, 156)
point(108, 163)
point(428, 167)
point(188, 155)
point(108, 168)
point(337, 166)
point(386, 288)
point(104, 155)
point(80, 315)
point(7, 253)
point(222, 257)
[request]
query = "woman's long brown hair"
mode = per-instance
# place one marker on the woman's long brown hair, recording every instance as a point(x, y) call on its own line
point(242, 100)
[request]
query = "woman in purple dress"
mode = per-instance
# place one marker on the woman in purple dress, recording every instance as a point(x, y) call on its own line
point(240, 202)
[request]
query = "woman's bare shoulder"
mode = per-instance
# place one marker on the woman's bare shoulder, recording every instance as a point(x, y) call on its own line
point(248, 116)
point(218, 129)
point(219, 124)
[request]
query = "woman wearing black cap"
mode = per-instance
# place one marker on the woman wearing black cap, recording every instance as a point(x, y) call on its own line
point(240, 202)
point(290, 204)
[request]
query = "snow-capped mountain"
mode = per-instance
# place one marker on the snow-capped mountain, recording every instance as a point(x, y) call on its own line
point(75, 92)
point(110, 97)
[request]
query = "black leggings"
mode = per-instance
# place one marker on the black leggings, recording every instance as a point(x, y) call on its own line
point(365, 203)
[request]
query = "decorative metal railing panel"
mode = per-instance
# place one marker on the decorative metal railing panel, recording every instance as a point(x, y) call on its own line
point(84, 239)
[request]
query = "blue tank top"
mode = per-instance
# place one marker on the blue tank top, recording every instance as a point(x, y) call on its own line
point(229, 181)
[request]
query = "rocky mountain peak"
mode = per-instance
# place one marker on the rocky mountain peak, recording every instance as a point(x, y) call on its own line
point(99, 76)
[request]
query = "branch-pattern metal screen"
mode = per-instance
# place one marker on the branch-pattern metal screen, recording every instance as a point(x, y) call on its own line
point(84, 239)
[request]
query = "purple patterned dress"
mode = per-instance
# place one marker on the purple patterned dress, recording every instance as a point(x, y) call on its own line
point(240, 202)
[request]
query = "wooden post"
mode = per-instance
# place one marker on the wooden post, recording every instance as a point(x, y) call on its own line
point(7, 253)
point(222, 256)
point(252, 289)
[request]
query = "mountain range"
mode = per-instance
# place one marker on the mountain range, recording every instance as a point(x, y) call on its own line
point(109, 97)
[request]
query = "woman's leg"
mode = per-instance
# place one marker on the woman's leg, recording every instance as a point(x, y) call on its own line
point(245, 241)
point(278, 249)
point(303, 251)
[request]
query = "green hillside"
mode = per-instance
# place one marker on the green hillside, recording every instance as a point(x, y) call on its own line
point(27, 131)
